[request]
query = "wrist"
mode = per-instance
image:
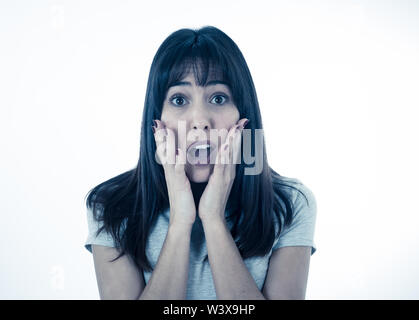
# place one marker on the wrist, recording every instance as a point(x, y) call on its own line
point(214, 222)
point(212, 217)
point(180, 227)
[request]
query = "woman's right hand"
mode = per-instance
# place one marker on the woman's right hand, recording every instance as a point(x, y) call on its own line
point(182, 204)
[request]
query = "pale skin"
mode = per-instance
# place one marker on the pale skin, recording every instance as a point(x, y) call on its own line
point(201, 108)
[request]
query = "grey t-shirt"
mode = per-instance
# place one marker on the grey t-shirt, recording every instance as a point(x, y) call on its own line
point(200, 282)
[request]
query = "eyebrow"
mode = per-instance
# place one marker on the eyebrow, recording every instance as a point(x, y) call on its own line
point(209, 83)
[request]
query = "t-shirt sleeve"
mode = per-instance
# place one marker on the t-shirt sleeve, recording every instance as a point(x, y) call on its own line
point(104, 238)
point(301, 230)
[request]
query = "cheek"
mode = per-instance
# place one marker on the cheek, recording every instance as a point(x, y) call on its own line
point(224, 119)
point(165, 114)
point(169, 118)
point(171, 121)
point(227, 119)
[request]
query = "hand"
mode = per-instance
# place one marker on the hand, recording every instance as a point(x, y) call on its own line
point(214, 198)
point(182, 204)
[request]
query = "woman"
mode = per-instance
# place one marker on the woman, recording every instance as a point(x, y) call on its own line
point(202, 216)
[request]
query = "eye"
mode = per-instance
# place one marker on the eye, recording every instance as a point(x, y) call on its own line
point(178, 100)
point(219, 99)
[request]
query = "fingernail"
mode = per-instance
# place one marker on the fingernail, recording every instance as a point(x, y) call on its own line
point(155, 123)
point(154, 129)
point(246, 122)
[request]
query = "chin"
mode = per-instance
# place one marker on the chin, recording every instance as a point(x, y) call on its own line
point(199, 174)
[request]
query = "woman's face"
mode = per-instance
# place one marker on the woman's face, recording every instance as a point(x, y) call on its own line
point(201, 109)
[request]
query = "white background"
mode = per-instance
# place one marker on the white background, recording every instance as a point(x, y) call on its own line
point(337, 83)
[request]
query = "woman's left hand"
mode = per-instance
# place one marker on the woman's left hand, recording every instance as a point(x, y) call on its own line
point(214, 198)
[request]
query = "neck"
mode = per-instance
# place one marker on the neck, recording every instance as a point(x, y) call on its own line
point(197, 191)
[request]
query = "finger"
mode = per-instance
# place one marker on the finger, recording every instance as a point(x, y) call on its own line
point(180, 161)
point(218, 166)
point(230, 140)
point(236, 152)
point(160, 155)
point(223, 155)
point(225, 151)
point(170, 147)
point(160, 132)
point(168, 139)
point(242, 123)
point(160, 139)
point(234, 149)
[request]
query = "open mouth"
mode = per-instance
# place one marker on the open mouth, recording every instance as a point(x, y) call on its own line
point(200, 153)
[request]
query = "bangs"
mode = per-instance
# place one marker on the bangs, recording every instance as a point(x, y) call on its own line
point(203, 68)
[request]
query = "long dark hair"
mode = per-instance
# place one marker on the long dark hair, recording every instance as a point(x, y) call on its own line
point(130, 202)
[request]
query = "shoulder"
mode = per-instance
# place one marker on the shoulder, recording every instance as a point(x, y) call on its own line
point(304, 197)
point(300, 194)
point(304, 211)
point(97, 233)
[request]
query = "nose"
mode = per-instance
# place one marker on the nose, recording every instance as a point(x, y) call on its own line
point(200, 119)
point(199, 130)
point(200, 124)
